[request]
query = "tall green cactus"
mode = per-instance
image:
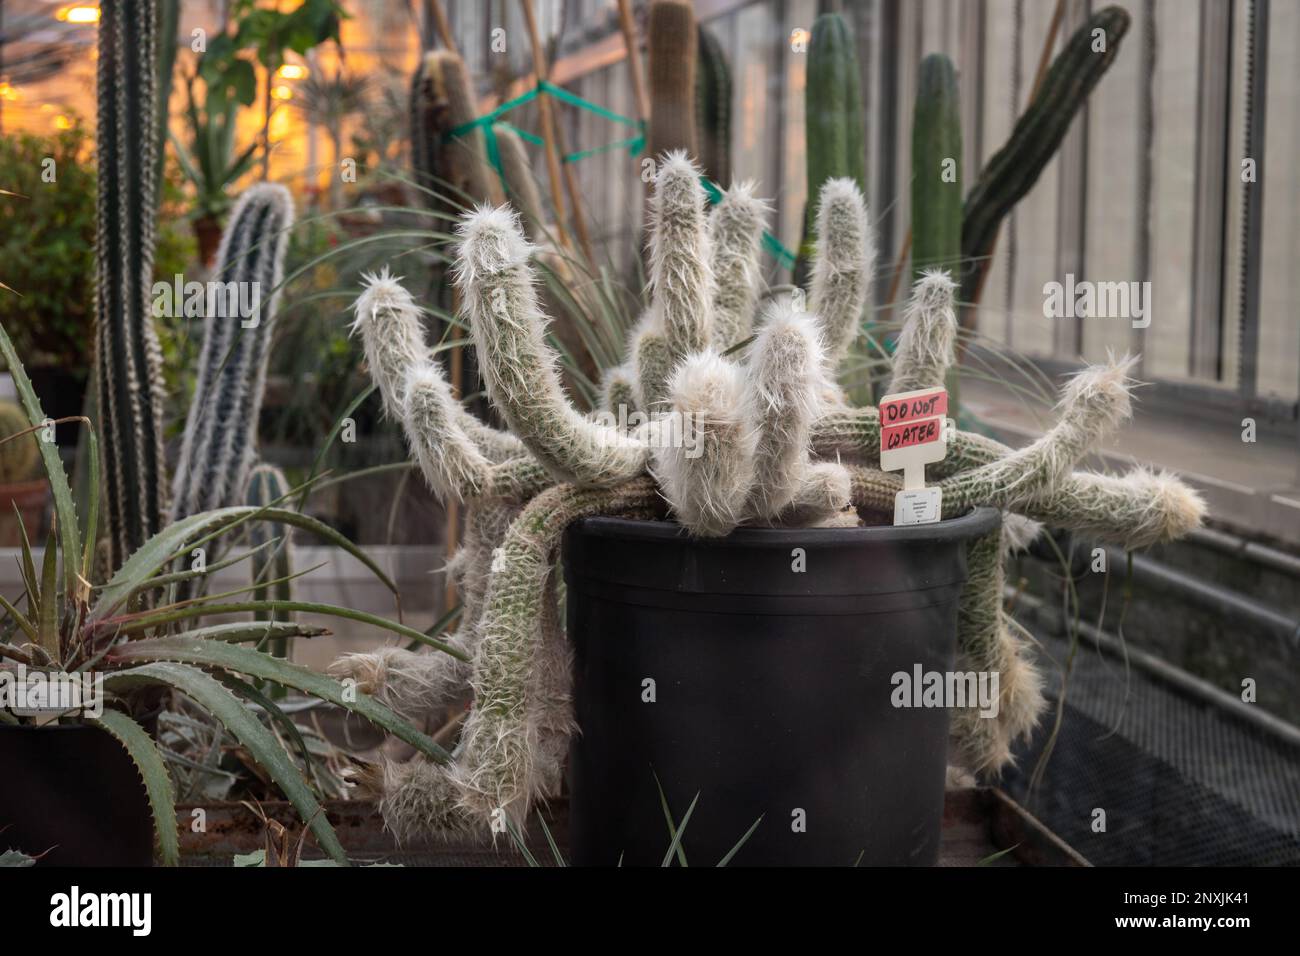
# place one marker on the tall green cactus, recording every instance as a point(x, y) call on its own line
point(936, 169)
point(128, 353)
point(1014, 169)
point(713, 108)
point(834, 140)
point(219, 443)
point(671, 42)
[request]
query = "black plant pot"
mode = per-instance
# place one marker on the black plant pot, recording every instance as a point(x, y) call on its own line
point(71, 790)
point(771, 690)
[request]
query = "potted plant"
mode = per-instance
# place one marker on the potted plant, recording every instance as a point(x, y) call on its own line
point(84, 777)
point(713, 676)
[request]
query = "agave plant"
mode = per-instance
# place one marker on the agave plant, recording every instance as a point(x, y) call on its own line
point(126, 632)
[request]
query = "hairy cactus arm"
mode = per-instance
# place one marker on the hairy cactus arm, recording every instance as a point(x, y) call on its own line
point(736, 235)
point(520, 368)
point(681, 274)
point(706, 466)
point(924, 350)
point(842, 269)
point(782, 381)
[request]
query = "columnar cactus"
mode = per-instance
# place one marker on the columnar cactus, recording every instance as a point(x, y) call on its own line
point(128, 355)
point(713, 108)
point(753, 437)
point(219, 444)
point(671, 64)
point(833, 130)
point(936, 168)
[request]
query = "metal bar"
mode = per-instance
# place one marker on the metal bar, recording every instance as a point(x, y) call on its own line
point(1252, 197)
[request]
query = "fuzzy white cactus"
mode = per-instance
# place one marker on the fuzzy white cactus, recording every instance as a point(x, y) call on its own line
point(759, 434)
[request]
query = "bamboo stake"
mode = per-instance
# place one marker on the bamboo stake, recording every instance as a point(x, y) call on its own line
point(634, 59)
point(548, 123)
point(562, 147)
point(442, 26)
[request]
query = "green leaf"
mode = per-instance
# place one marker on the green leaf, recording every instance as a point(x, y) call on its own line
point(157, 781)
point(743, 840)
point(245, 660)
point(135, 573)
point(675, 846)
point(65, 511)
point(248, 730)
point(20, 619)
point(135, 623)
point(48, 627)
point(240, 632)
point(92, 510)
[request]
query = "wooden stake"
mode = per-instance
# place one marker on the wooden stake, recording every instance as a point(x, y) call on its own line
point(548, 123)
point(628, 26)
point(442, 26)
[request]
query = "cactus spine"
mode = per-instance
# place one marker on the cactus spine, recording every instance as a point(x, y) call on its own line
point(18, 456)
point(671, 44)
point(833, 133)
point(713, 108)
point(1014, 169)
point(129, 358)
point(936, 169)
point(219, 444)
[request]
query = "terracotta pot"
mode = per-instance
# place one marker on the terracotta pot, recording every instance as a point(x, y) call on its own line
point(30, 498)
point(208, 233)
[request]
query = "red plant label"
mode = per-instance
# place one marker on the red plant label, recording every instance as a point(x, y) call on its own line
point(913, 433)
point(910, 406)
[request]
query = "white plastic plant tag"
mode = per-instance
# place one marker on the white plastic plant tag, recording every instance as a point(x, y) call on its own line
point(918, 506)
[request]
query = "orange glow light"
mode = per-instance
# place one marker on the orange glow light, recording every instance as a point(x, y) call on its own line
point(291, 71)
point(81, 13)
point(62, 122)
point(282, 93)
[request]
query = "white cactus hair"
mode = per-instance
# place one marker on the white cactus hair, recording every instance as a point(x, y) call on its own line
point(681, 274)
point(410, 683)
point(842, 267)
point(781, 392)
point(519, 368)
point(736, 234)
point(924, 350)
point(392, 337)
point(707, 481)
point(759, 443)
point(450, 461)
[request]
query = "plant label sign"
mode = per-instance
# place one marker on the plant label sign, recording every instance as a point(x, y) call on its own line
point(913, 434)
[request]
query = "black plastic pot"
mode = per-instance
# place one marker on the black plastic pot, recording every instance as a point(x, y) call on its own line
point(771, 690)
point(71, 790)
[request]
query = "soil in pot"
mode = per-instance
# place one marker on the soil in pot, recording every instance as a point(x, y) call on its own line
point(754, 676)
point(70, 794)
